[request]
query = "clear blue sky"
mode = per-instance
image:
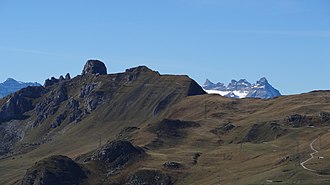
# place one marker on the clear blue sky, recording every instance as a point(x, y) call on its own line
point(288, 41)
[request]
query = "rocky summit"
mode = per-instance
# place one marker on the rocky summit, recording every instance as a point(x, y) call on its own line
point(94, 67)
point(141, 127)
point(243, 89)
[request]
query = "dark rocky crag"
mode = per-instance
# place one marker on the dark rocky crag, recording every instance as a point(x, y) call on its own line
point(94, 67)
point(19, 103)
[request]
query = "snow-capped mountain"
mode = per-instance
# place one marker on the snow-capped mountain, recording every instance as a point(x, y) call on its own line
point(242, 89)
point(10, 85)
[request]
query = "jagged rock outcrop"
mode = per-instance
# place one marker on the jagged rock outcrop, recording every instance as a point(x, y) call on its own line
point(92, 97)
point(55, 170)
point(75, 114)
point(50, 104)
point(10, 133)
point(94, 67)
point(296, 120)
point(19, 103)
point(67, 76)
point(53, 80)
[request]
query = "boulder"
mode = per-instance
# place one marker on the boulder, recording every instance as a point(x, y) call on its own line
point(94, 67)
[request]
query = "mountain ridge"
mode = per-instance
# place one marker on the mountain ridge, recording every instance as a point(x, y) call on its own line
point(242, 89)
point(11, 85)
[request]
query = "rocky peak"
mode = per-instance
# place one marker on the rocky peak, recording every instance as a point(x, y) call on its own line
point(67, 76)
point(139, 69)
point(262, 81)
point(208, 82)
point(244, 82)
point(232, 85)
point(10, 81)
point(53, 80)
point(94, 67)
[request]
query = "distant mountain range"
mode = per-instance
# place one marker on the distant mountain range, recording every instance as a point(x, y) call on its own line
point(242, 89)
point(11, 85)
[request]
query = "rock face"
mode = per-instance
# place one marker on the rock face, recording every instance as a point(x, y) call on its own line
point(243, 89)
point(50, 104)
point(94, 67)
point(19, 103)
point(10, 86)
point(10, 133)
point(55, 170)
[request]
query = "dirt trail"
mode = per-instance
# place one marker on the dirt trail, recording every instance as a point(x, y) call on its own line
point(312, 156)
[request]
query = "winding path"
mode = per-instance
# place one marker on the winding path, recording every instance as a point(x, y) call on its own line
point(312, 156)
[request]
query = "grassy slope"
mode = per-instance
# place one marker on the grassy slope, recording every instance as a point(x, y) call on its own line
point(129, 106)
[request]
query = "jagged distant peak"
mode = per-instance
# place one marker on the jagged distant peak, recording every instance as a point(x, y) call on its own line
point(208, 82)
point(244, 81)
point(10, 79)
point(262, 80)
point(243, 88)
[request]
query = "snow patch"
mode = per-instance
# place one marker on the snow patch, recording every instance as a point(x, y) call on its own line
point(240, 94)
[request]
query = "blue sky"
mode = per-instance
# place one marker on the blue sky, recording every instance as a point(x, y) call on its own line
point(287, 41)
